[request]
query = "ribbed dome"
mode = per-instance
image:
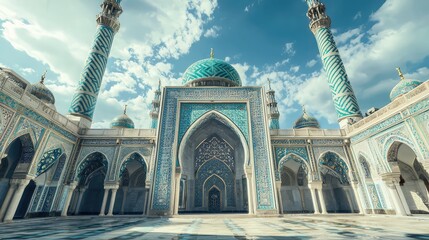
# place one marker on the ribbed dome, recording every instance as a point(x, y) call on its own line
point(211, 72)
point(306, 121)
point(404, 86)
point(122, 121)
point(43, 93)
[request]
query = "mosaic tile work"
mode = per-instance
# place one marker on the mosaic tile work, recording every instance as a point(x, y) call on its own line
point(236, 112)
point(220, 227)
point(164, 170)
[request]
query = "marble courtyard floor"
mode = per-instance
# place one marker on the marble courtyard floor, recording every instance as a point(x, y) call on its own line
point(220, 227)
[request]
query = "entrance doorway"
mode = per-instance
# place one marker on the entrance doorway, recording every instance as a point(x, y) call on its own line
point(214, 200)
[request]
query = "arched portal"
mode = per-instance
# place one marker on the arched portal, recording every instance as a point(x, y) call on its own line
point(90, 190)
point(132, 193)
point(413, 178)
point(295, 194)
point(337, 192)
point(213, 156)
point(20, 151)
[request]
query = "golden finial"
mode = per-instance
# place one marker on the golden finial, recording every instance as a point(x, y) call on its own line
point(125, 109)
point(211, 53)
point(42, 78)
point(400, 73)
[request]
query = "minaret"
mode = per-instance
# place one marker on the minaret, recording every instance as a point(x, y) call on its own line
point(273, 111)
point(85, 98)
point(154, 113)
point(345, 101)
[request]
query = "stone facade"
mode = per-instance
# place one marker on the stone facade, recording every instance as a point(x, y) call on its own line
point(211, 149)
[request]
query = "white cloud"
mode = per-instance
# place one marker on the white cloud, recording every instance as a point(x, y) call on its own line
point(358, 15)
point(27, 71)
point(289, 49)
point(311, 63)
point(212, 32)
point(227, 59)
point(346, 36)
point(140, 55)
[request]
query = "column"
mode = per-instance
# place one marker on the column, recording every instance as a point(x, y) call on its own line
point(10, 213)
point(6, 201)
point(146, 199)
point(322, 200)
point(391, 179)
point(82, 191)
point(124, 198)
point(112, 201)
point(103, 205)
point(250, 188)
point(279, 193)
point(71, 189)
point(176, 191)
point(301, 193)
point(355, 187)
point(402, 198)
point(314, 200)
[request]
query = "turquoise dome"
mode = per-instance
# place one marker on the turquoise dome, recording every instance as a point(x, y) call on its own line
point(306, 121)
point(211, 69)
point(404, 86)
point(43, 93)
point(122, 121)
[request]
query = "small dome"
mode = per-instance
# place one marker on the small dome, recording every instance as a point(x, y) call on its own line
point(306, 121)
point(43, 93)
point(209, 71)
point(122, 121)
point(404, 86)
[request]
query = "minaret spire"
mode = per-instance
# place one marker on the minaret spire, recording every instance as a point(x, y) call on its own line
point(154, 113)
point(344, 98)
point(273, 111)
point(85, 98)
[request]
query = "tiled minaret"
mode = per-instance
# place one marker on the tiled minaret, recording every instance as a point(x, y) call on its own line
point(154, 113)
point(85, 98)
point(344, 98)
point(273, 111)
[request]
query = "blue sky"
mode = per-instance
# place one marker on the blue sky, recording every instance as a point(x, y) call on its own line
point(260, 38)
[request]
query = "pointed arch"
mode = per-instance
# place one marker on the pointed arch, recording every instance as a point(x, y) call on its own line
point(212, 115)
point(88, 159)
point(391, 146)
point(296, 158)
point(335, 165)
point(137, 156)
point(213, 182)
point(364, 165)
point(23, 133)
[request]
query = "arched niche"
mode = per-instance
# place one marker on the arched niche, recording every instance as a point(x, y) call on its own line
point(413, 178)
point(339, 196)
point(132, 193)
point(90, 175)
point(213, 145)
point(295, 194)
point(20, 151)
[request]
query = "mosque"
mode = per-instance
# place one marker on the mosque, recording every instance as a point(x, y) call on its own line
point(214, 146)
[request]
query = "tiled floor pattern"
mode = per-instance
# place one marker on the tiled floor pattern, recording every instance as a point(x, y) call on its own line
point(220, 227)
